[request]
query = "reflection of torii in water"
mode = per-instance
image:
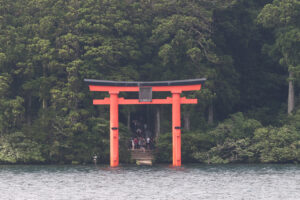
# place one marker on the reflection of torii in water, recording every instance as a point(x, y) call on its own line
point(145, 90)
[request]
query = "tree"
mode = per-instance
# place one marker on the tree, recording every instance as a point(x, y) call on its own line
point(283, 18)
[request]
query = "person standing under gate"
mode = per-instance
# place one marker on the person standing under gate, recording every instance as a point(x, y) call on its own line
point(148, 143)
point(139, 132)
point(135, 141)
point(132, 144)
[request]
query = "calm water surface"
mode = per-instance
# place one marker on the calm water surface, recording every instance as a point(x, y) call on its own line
point(157, 182)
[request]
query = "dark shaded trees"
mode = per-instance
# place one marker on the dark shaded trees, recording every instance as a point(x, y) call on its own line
point(47, 48)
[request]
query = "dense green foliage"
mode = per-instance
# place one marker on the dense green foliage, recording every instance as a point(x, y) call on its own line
point(240, 140)
point(248, 49)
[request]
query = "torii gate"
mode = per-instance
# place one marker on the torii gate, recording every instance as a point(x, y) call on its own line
point(145, 97)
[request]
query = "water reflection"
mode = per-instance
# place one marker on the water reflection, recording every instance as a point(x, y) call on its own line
point(150, 182)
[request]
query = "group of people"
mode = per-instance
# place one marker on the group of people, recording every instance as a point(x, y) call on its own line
point(142, 137)
point(141, 143)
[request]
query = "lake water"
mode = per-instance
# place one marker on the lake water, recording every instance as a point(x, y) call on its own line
point(41, 182)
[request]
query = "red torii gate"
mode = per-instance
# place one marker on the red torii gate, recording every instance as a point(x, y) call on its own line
point(145, 90)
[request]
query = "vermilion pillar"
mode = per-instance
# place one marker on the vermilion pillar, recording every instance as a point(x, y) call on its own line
point(114, 129)
point(176, 129)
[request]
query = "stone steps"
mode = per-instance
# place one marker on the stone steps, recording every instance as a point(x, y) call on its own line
point(140, 155)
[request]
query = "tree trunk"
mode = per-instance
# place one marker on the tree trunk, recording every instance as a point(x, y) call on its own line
point(28, 112)
point(291, 95)
point(186, 121)
point(128, 120)
point(210, 114)
point(157, 123)
point(44, 103)
point(148, 118)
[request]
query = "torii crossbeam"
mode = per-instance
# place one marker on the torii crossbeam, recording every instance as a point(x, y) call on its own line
point(115, 87)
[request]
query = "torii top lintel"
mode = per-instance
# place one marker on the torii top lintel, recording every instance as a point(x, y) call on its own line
point(115, 87)
point(133, 86)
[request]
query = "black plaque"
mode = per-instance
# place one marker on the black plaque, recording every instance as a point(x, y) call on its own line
point(145, 94)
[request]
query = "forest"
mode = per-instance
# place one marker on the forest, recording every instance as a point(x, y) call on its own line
point(249, 51)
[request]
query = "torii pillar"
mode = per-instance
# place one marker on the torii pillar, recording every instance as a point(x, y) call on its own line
point(114, 129)
point(115, 87)
point(176, 129)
